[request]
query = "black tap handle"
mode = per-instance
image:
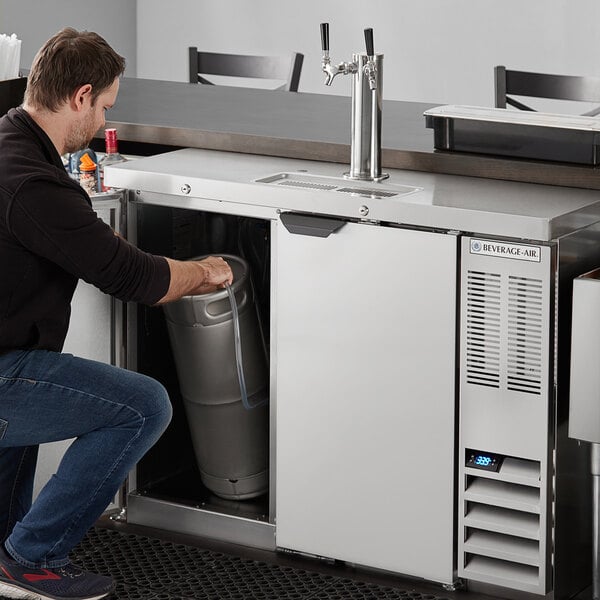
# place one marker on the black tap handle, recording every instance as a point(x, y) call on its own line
point(325, 37)
point(369, 41)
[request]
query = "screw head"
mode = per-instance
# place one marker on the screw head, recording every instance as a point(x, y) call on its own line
point(186, 189)
point(363, 210)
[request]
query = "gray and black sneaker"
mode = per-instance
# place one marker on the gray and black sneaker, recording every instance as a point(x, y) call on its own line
point(62, 583)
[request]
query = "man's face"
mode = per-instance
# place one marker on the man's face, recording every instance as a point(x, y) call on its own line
point(91, 119)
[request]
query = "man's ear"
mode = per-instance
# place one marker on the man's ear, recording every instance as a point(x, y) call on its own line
point(80, 97)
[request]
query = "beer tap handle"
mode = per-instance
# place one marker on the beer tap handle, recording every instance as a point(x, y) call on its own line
point(330, 70)
point(370, 69)
point(325, 38)
point(369, 41)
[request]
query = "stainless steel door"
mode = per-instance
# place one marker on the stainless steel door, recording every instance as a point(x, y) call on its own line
point(365, 322)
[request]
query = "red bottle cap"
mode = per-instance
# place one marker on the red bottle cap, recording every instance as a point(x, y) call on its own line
point(110, 136)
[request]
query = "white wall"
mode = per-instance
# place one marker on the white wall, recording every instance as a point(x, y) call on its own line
point(435, 50)
point(34, 22)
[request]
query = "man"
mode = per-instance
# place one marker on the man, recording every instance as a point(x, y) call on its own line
point(49, 238)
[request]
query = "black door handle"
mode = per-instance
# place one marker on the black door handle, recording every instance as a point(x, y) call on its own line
point(301, 224)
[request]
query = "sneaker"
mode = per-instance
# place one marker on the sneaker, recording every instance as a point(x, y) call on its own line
point(62, 583)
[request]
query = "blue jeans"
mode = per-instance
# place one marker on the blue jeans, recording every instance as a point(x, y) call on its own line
point(114, 414)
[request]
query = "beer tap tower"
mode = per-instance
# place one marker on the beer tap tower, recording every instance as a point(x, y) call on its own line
point(367, 85)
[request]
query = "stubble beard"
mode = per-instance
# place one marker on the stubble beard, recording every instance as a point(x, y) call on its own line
point(79, 137)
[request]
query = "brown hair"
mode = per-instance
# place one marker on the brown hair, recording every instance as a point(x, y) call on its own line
point(68, 60)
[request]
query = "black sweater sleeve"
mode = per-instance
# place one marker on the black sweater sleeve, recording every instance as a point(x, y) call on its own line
point(56, 222)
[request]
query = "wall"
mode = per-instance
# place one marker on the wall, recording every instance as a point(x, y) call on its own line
point(435, 50)
point(34, 22)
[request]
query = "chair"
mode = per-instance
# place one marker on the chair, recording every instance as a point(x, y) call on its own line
point(286, 68)
point(543, 85)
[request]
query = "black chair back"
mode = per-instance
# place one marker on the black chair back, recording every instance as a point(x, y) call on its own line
point(286, 68)
point(543, 85)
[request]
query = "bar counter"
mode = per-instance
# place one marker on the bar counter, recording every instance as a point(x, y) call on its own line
point(167, 114)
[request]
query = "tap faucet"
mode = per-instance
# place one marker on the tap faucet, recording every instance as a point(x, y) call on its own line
point(332, 70)
point(367, 84)
point(370, 67)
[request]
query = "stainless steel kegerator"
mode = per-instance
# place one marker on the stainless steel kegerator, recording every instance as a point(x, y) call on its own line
point(418, 335)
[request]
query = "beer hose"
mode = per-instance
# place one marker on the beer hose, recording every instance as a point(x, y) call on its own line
point(238, 352)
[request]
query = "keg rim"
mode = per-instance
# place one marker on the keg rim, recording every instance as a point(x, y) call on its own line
point(237, 283)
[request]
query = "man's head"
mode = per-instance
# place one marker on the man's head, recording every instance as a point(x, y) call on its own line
point(66, 62)
point(74, 76)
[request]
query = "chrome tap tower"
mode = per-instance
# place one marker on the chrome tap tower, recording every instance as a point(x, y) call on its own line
point(367, 86)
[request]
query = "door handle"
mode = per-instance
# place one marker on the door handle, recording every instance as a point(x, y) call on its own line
point(301, 224)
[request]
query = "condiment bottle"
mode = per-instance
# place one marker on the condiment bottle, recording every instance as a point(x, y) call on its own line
point(87, 174)
point(112, 155)
point(75, 160)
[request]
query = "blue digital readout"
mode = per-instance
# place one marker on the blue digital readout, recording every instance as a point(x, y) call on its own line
point(482, 460)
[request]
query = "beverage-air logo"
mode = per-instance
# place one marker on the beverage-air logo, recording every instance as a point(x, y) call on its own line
point(516, 251)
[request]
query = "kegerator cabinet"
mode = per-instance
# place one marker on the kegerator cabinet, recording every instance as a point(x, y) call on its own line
point(417, 341)
point(361, 331)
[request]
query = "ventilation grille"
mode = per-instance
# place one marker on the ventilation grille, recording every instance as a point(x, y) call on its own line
point(524, 368)
point(503, 524)
point(483, 328)
point(504, 338)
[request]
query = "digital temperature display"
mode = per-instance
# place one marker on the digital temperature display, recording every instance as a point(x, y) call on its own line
point(483, 460)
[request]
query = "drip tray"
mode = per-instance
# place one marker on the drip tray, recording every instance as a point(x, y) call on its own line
point(334, 185)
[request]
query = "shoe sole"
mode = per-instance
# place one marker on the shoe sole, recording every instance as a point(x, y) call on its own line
point(15, 592)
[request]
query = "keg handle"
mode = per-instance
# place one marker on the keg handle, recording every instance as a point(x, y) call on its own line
point(217, 317)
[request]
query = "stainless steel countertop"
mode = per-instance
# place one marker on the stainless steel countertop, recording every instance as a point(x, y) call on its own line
point(307, 126)
point(227, 182)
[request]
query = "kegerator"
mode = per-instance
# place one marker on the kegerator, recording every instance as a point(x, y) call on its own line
point(418, 340)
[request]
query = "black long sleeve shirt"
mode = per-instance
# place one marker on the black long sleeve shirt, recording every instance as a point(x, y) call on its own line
point(50, 237)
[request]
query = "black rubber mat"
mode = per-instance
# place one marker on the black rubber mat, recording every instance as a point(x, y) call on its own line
point(150, 569)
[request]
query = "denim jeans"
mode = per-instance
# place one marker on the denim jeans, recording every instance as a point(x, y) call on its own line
point(114, 414)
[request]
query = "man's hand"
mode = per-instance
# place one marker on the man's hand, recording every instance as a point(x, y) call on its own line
point(196, 277)
point(217, 274)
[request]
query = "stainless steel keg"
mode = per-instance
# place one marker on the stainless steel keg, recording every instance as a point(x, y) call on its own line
point(231, 442)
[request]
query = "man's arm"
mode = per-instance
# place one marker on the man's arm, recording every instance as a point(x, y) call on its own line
point(192, 277)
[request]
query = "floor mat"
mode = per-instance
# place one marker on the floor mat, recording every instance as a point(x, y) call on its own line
point(150, 569)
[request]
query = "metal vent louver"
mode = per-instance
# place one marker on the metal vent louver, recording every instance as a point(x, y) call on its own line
point(483, 328)
point(503, 526)
point(524, 355)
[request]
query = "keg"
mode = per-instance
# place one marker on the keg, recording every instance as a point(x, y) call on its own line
point(230, 440)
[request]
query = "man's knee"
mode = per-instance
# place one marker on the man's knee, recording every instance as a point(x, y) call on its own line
point(152, 401)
